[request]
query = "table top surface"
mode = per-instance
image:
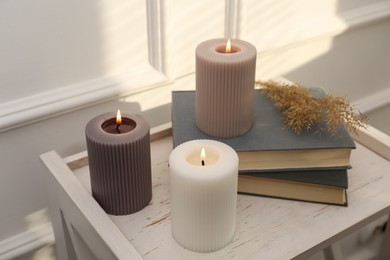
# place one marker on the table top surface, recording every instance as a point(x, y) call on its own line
point(267, 228)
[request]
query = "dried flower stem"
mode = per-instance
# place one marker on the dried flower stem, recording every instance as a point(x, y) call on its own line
point(302, 111)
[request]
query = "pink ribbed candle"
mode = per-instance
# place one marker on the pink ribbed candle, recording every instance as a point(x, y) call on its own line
point(119, 162)
point(225, 87)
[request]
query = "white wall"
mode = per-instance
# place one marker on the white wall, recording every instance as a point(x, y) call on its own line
point(63, 62)
point(52, 44)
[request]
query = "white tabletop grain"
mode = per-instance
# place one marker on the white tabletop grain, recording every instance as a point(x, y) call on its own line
point(267, 228)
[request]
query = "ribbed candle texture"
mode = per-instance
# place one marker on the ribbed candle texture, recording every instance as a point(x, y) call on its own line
point(119, 164)
point(203, 198)
point(225, 87)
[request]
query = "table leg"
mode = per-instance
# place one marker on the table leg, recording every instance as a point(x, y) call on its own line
point(384, 252)
point(333, 252)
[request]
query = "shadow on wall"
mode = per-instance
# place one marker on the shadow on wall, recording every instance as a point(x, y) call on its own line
point(355, 66)
point(352, 64)
point(45, 45)
point(23, 187)
point(48, 45)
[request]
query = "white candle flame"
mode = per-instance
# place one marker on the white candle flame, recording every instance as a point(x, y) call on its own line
point(203, 156)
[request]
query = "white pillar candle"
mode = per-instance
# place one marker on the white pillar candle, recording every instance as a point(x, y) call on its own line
point(203, 197)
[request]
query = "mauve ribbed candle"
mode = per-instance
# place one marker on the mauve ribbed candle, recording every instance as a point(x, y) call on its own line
point(119, 162)
point(225, 87)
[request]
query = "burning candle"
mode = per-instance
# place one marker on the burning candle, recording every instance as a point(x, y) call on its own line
point(203, 183)
point(119, 162)
point(115, 125)
point(225, 77)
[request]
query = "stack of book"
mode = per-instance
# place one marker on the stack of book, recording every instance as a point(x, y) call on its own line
point(273, 160)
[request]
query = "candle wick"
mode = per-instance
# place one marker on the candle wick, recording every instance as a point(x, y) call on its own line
point(202, 162)
point(117, 128)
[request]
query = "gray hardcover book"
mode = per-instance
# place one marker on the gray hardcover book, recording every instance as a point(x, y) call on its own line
point(268, 139)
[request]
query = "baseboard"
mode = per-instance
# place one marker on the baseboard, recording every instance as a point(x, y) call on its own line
point(47, 104)
point(26, 241)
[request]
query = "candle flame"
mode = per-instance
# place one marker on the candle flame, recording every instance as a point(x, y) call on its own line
point(202, 156)
point(118, 117)
point(228, 47)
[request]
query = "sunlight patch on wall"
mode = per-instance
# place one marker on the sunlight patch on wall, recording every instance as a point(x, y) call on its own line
point(37, 218)
point(271, 24)
point(188, 24)
point(123, 33)
point(289, 34)
point(276, 63)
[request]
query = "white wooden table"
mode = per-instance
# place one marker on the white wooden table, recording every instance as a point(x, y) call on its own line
point(266, 228)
